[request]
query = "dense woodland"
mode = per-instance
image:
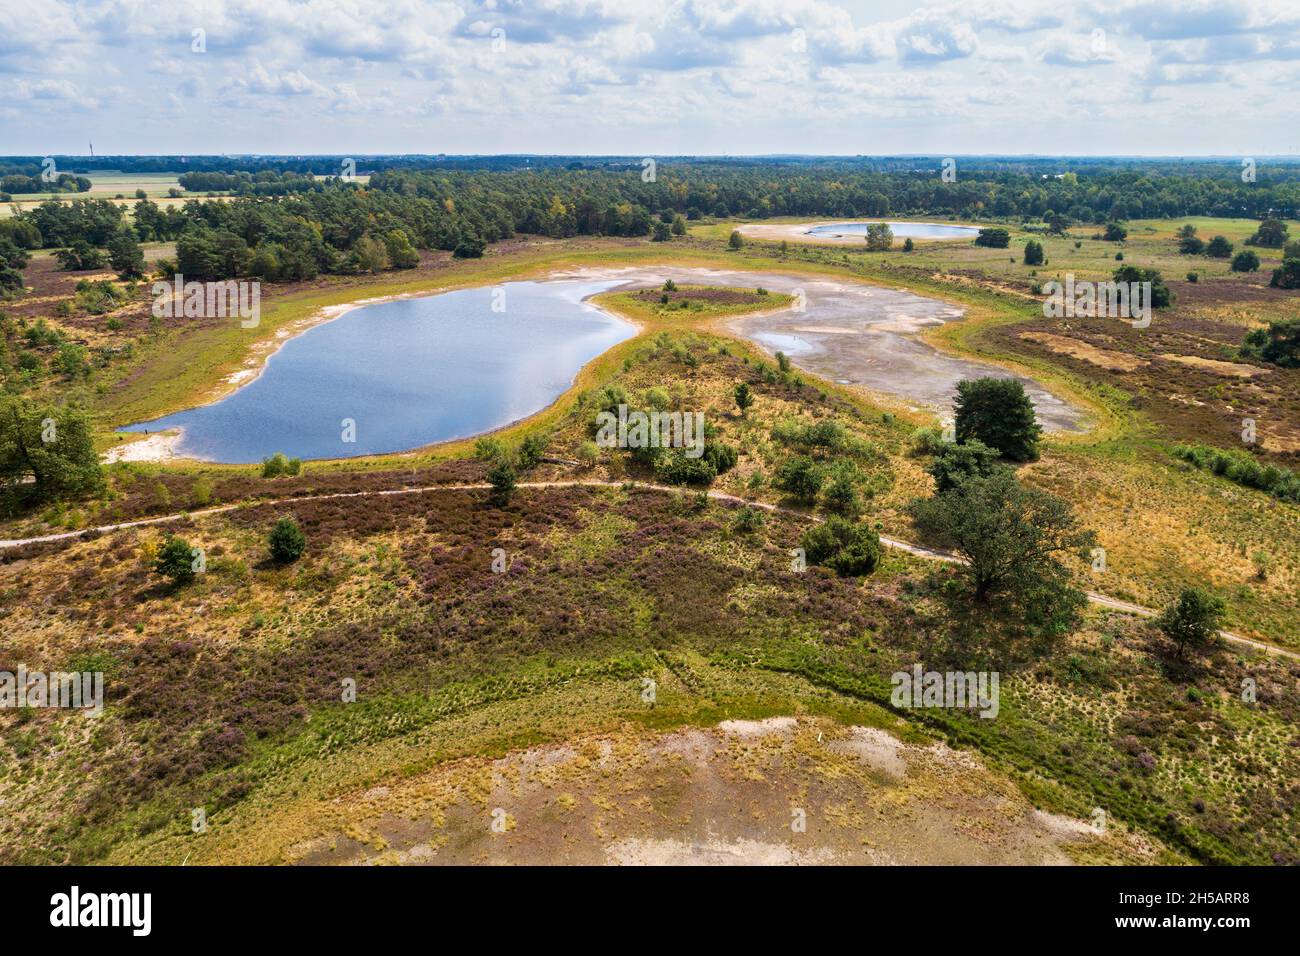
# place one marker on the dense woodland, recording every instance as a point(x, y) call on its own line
point(285, 224)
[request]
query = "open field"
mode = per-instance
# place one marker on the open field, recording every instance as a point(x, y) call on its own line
point(120, 187)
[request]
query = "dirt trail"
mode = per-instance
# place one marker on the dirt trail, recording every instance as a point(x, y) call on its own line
point(920, 551)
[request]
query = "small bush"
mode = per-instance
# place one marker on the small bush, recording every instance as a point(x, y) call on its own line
point(1192, 621)
point(175, 560)
point(201, 492)
point(280, 465)
point(286, 541)
point(847, 548)
point(530, 453)
point(748, 520)
point(503, 479)
point(1245, 261)
point(800, 477)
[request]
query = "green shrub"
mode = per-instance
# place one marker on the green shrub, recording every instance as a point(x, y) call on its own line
point(503, 479)
point(847, 548)
point(1239, 467)
point(530, 453)
point(1287, 276)
point(993, 238)
point(997, 412)
point(286, 541)
point(1219, 248)
point(927, 441)
point(201, 492)
point(841, 496)
point(280, 465)
point(1161, 297)
point(953, 463)
point(488, 449)
point(674, 468)
point(748, 520)
point(800, 477)
point(721, 456)
point(1193, 620)
point(1245, 261)
point(175, 560)
point(744, 397)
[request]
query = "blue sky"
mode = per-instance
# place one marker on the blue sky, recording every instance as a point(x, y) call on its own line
point(638, 77)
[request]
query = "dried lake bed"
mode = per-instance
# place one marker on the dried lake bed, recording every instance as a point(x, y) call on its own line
point(855, 334)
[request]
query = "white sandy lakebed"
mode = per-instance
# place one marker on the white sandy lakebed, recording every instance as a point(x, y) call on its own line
point(158, 446)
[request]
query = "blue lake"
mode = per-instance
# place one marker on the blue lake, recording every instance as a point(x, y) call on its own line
point(408, 373)
point(902, 230)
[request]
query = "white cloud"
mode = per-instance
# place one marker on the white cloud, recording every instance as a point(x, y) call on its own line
point(630, 76)
point(932, 37)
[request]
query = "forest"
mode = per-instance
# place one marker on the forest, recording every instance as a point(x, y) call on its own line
point(283, 223)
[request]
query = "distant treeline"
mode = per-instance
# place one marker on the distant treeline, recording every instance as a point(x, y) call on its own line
point(284, 223)
point(1270, 169)
point(793, 190)
point(26, 179)
point(267, 182)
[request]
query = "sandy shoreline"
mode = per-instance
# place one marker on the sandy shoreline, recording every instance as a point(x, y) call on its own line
point(156, 446)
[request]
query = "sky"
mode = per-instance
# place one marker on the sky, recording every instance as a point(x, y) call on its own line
point(651, 77)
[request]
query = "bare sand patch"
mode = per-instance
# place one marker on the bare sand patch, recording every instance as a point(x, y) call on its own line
point(1102, 358)
point(742, 852)
point(876, 748)
point(757, 728)
point(160, 446)
point(1231, 369)
point(779, 791)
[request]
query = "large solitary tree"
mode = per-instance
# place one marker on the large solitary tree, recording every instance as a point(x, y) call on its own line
point(880, 238)
point(1012, 539)
point(997, 412)
point(46, 453)
point(1009, 534)
point(1271, 233)
point(1192, 621)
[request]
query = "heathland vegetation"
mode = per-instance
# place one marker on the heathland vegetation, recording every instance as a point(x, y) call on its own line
point(504, 592)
